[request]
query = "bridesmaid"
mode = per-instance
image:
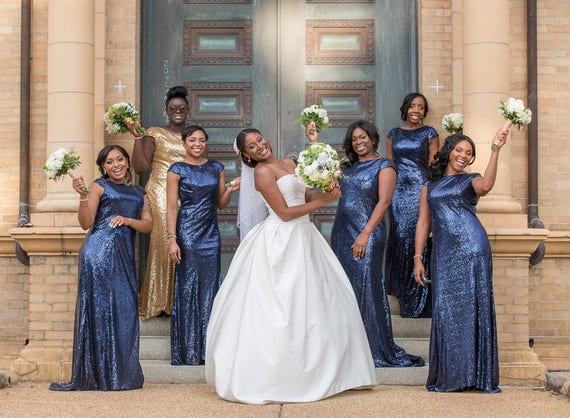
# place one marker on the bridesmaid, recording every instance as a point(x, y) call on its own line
point(359, 237)
point(157, 149)
point(463, 345)
point(106, 334)
point(411, 146)
point(194, 243)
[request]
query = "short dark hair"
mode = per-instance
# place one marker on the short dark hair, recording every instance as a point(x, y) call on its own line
point(190, 129)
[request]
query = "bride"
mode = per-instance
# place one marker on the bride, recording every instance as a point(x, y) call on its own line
point(285, 324)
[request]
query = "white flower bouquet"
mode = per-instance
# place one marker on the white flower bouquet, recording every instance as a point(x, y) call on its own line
point(515, 113)
point(314, 113)
point(119, 116)
point(318, 166)
point(453, 123)
point(61, 162)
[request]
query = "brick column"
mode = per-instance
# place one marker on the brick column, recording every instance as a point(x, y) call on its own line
point(486, 81)
point(70, 99)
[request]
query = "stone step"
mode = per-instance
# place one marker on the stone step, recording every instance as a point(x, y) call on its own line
point(401, 327)
point(158, 347)
point(160, 371)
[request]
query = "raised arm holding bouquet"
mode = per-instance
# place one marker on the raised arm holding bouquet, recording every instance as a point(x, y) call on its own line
point(515, 113)
point(313, 119)
point(61, 162)
point(120, 117)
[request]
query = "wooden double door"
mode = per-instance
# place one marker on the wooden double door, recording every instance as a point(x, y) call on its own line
point(258, 63)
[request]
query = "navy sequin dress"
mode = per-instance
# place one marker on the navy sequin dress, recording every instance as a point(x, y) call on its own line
point(106, 334)
point(463, 346)
point(410, 152)
point(197, 277)
point(359, 188)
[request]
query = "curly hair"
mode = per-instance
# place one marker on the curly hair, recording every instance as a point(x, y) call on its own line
point(176, 91)
point(367, 127)
point(438, 166)
point(407, 103)
point(102, 157)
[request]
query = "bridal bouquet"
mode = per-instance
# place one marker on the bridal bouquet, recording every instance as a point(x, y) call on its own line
point(61, 162)
point(453, 123)
point(314, 113)
point(318, 166)
point(118, 116)
point(515, 113)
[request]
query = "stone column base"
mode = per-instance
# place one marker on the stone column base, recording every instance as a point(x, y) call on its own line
point(521, 367)
point(42, 364)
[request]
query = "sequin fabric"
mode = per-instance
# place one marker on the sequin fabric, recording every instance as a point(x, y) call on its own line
point(155, 294)
point(197, 277)
point(359, 188)
point(410, 152)
point(463, 347)
point(106, 333)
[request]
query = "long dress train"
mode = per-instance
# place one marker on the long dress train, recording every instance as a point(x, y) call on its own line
point(359, 197)
point(156, 293)
point(463, 344)
point(106, 333)
point(410, 149)
point(197, 278)
point(285, 325)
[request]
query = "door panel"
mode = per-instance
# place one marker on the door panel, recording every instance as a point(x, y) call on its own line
point(259, 63)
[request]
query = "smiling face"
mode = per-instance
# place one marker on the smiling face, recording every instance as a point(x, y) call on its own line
point(116, 166)
point(195, 144)
point(416, 112)
point(459, 157)
point(362, 144)
point(177, 111)
point(256, 147)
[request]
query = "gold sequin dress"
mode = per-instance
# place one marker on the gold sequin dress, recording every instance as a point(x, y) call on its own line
point(156, 292)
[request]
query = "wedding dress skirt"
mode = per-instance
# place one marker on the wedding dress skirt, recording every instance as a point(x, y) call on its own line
point(285, 325)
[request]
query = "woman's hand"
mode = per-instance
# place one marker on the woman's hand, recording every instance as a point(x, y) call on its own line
point(120, 221)
point(359, 245)
point(233, 185)
point(132, 127)
point(500, 138)
point(330, 195)
point(174, 251)
point(311, 132)
point(79, 185)
point(419, 271)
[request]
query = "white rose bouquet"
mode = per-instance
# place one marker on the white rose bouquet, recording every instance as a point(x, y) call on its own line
point(61, 162)
point(318, 166)
point(453, 123)
point(119, 116)
point(314, 113)
point(515, 113)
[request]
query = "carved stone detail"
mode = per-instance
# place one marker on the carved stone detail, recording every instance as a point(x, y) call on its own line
point(315, 55)
point(243, 29)
point(242, 91)
point(365, 90)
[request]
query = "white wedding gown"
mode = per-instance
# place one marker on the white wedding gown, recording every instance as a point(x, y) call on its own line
point(285, 325)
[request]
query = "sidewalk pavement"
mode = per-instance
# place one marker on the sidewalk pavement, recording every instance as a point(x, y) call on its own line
point(180, 400)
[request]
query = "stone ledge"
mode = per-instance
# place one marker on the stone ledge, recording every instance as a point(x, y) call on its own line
point(50, 241)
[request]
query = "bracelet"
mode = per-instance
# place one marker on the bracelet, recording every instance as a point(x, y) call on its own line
point(170, 235)
point(418, 256)
point(84, 200)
